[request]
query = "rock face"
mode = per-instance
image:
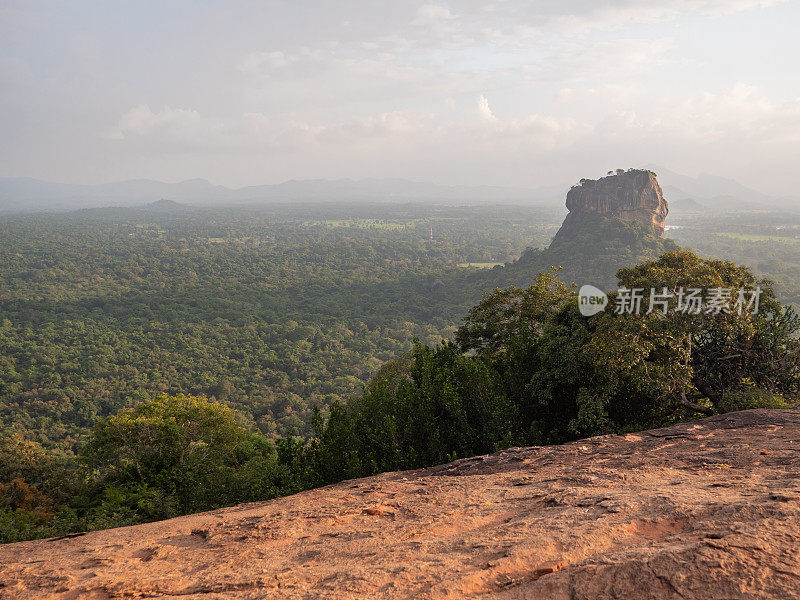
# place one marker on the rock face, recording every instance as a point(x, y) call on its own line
point(632, 195)
point(703, 510)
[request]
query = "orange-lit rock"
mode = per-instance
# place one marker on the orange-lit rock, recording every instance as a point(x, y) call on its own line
point(632, 195)
point(695, 511)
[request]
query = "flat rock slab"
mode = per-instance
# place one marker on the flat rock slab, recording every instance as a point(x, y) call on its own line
point(707, 509)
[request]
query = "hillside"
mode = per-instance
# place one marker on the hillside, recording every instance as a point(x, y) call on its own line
point(706, 509)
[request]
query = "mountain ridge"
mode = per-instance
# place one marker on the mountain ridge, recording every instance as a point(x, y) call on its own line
point(25, 194)
point(33, 194)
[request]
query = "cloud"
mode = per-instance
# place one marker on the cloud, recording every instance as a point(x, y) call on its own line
point(141, 120)
point(606, 60)
point(371, 88)
point(511, 23)
point(186, 130)
point(610, 93)
point(742, 113)
point(431, 14)
point(257, 60)
point(483, 108)
point(285, 65)
point(384, 125)
point(580, 16)
point(739, 119)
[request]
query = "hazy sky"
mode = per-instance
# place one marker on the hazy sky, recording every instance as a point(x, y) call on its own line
point(507, 92)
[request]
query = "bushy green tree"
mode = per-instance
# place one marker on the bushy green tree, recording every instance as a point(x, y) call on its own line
point(505, 316)
point(445, 405)
point(699, 358)
point(575, 376)
point(528, 367)
point(36, 490)
point(179, 454)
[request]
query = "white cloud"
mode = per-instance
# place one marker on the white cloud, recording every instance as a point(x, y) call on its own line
point(256, 60)
point(141, 120)
point(511, 23)
point(580, 16)
point(388, 125)
point(741, 118)
point(606, 60)
point(428, 14)
point(186, 130)
point(743, 113)
point(369, 87)
point(715, 127)
point(608, 93)
point(483, 108)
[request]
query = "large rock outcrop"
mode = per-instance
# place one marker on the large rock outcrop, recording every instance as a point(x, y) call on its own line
point(632, 195)
point(703, 510)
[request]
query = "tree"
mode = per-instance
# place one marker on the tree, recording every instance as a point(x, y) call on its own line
point(574, 376)
point(505, 315)
point(448, 405)
point(179, 454)
point(35, 488)
point(715, 356)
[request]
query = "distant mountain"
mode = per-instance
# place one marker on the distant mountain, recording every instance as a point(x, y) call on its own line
point(682, 192)
point(23, 194)
point(388, 190)
point(166, 206)
point(679, 205)
point(710, 191)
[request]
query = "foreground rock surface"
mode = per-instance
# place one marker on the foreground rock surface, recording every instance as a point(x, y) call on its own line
point(708, 509)
point(632, 195)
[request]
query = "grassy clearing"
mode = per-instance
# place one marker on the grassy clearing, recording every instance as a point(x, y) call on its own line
point(362, 224)
point(752, 237)
point(480, 265)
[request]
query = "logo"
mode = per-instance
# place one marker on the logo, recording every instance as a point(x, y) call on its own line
point(689, 301)
point(591, 300)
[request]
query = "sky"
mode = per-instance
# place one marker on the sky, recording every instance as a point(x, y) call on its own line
point(501, 92)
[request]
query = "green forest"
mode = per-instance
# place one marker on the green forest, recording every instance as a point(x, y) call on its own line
point(159, 362)
point(272, 311)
